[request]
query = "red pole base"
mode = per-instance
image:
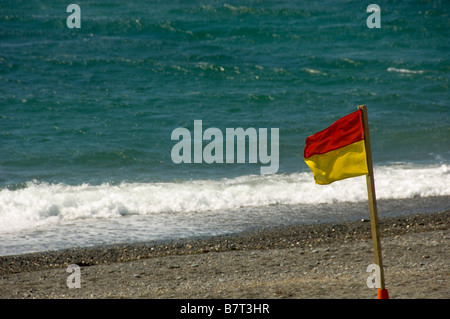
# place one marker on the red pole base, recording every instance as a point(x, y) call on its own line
point(382, 294)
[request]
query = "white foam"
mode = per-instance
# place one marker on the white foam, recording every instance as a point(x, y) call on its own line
point(41, 204)
point(313, 71)
point(391, 69)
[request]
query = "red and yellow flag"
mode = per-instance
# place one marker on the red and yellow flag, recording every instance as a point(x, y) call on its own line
point(338, 152)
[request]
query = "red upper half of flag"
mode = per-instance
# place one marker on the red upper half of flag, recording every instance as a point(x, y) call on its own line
point(347, 130)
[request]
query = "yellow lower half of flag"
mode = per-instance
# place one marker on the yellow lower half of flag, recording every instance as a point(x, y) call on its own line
point(345, 162)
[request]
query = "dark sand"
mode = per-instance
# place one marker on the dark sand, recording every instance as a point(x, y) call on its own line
point(305, 261)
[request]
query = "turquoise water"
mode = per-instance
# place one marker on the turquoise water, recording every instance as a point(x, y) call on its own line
point(96, 106)
point(99, 103)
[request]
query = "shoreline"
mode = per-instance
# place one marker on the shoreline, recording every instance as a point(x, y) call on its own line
point(279, 216)
point(272, 263)
point(276, 237)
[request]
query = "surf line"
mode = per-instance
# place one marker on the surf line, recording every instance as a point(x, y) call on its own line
point(235, 138)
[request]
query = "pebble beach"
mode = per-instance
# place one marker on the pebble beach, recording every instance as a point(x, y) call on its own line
point(320, 261)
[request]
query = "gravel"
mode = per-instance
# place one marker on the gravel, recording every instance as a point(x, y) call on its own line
point(302, 261)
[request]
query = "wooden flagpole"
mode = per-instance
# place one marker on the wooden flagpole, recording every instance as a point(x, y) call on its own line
point(382, 291)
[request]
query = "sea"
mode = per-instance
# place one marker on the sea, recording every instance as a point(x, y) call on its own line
point(87, 115)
